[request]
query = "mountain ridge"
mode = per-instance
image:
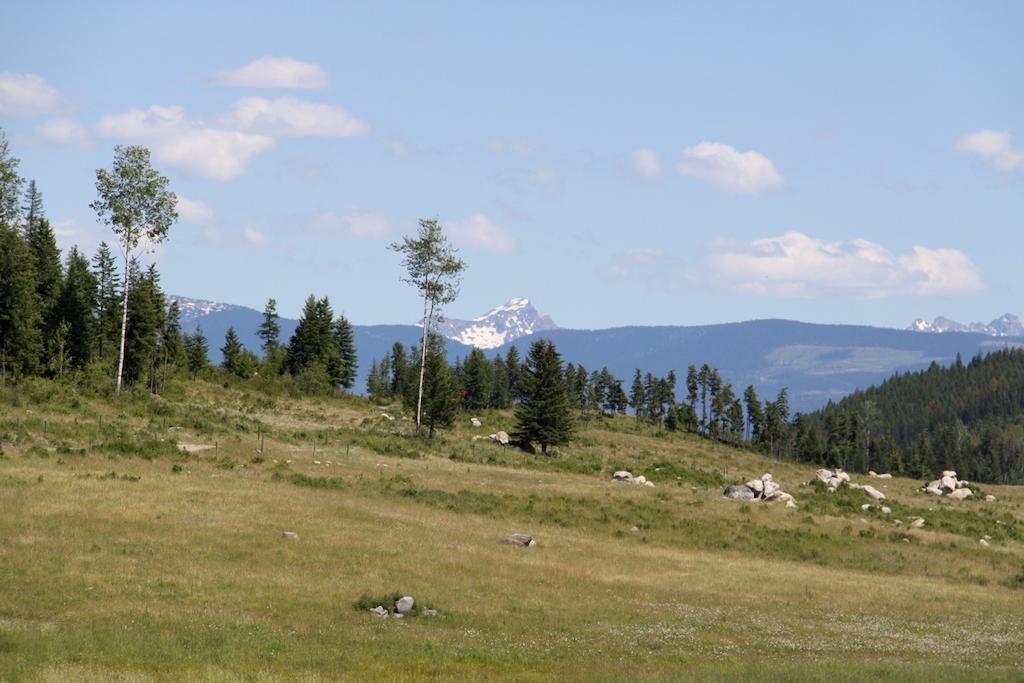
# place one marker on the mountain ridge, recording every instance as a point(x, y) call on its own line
point(1007, 325)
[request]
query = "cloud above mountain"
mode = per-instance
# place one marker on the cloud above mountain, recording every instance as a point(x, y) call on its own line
point(797, 266)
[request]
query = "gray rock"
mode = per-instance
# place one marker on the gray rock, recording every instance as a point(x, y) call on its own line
point(475, 422)
point(755, 485)
point(290, 535)
point(949, 473)
point(771, 488)
point(983, 542)
point(379, 612)
point(791, 503)
point(405, 604)
point(865, 507)
point(823, 475)
point(834, 482)
point(500, 437)
point(960, 494)
point(623, 475)
point(933, 491)
point(990, 498)
point(885, 476)
point(519, 539)
point(738, 492)
point(917, 523)
point(874, 493)
point(427, 612)
point(886, 510)
point(948, 483)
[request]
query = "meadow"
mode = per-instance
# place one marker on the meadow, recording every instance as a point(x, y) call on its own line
point(124, 556)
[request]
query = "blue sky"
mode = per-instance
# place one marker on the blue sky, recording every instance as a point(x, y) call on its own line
point(617, 163)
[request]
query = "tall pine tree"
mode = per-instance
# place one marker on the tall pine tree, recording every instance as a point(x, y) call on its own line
point(544, 415)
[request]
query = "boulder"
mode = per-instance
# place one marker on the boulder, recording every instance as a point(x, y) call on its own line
point(990, 498)
point(917, 523)
point(500, 437)
point(960, 494)
point(475, 422)
point(872, 473)
point(885, 476)
point(290, 535)
point(404, 605)
point(738, 492)
point(766, 477)
point(649, 483)
point(823, 475)
point(983, 541)
point(834, 482)
point(379, 612)
point(640, 479)
point(842, 475)
point(865, 507)
point(886, 510)
point(623, 475)
point(874, 493)
point(790, 503)
point(933, 490)
point(771, 488)
point(755, 485)
point(949, 473)
point(519, 539)
point(782, 495)
point(948, 483)
point(854, 486)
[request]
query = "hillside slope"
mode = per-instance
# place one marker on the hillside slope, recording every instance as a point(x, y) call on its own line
point(124, 556)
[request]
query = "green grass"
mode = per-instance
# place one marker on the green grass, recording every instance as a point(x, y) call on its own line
point(124, 558)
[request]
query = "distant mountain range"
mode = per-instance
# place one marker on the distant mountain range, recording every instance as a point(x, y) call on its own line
point(817, 363)
point(1008, 325)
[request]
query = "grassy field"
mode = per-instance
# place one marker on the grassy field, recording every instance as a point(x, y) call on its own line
point(123, 557)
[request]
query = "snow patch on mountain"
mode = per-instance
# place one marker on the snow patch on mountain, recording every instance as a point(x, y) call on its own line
point(1007, 325)
point(194, 309)
point(514, 319)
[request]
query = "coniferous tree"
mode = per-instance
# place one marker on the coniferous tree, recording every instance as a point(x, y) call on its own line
point(637, 395)
point(544, 415)
point(500, 391)
point(269, 331)
point(75, 308)
point(476, 381)
point(399, 370)
point(145, 322)
point(755, 415)
point(345, 338)
point(231, 351)
point(172, 345)
point(440, 401)
point(10, 185)
point(108, 298)
point(513, 368)
point(196, 352)
point(20, 337)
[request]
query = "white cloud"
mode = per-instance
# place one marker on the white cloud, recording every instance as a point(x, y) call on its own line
point(69, 233)
point(253, 236)
point(27, 95)
point(645, 163)
point(64, 132)
point(479, 232)
point(993, 146)
point(289, 117)
point(275, 72)
point(349, 224)
point(795, 265)
point(726, 168)
point(195, 212)
point(213, 153)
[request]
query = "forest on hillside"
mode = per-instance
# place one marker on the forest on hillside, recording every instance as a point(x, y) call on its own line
point(968, 418)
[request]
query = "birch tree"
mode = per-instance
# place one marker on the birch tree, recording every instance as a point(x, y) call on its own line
point(433, 267)
point(134, 201)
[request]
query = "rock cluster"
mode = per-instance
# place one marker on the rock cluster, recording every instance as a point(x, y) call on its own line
point(833, 478)
point(625, 477)
point(948, 485)
point(403, 607)
point(764, 489)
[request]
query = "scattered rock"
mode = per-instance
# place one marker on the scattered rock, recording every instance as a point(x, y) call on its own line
point(379, 612)
point(627, 478)
point(387, 417)
point(519, 539)
point(874, 493)
point(474, 421)
point(791, 503)
point(886, 510)
point(290, 535)
point(763, 489)
point(948, 485)
point(623, 475)
point(990, 498)
point(635, 529)
point(833, 478)
point(865, 506)
point(404, 605)
point(960, 494)
point(428, 612)
point(872, 473)
point(500, 437)
point(917, 523)
point(739, 492)
point(983, 542)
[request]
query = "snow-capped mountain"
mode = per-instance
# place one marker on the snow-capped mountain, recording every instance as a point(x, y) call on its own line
point(192, 310)
point(508, 322)
point(1008, 325)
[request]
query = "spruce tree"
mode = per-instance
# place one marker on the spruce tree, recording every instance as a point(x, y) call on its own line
point(440, 394)
point(637, 395)
point(513, 368)
point(231, 351)
point(345, 339)
point(196, 351)
point(48, 274)
point(269, 331)
point(399, 370)
point(108, 298)
point(10, 185)
point(544, 415)
point(146, 312)
point(172, 345)
point(20, 338)
point(476, 381)
point(75, 307)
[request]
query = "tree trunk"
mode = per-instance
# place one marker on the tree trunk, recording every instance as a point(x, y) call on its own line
point(423, 361)
point(124, 325)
